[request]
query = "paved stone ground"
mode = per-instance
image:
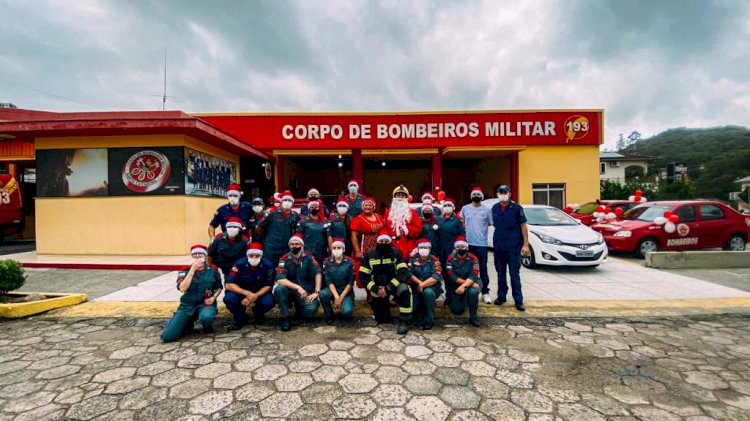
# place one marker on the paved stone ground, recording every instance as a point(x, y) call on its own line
point(535, 369)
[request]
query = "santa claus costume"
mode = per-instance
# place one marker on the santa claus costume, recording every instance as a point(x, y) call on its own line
point(403, 222)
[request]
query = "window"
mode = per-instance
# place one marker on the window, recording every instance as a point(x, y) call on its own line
point(602, 168)
point(549, 194)
point(686, 213)
point(710, 212)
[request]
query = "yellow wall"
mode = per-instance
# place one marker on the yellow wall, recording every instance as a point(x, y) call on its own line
point(576, 166)
point(137, 225)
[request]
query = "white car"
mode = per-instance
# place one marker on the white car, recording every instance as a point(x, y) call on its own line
point(556, 239)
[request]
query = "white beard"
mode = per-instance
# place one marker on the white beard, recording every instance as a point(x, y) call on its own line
point(399, 215)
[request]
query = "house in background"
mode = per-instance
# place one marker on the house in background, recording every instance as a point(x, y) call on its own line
point(612, 165)
point(741, 198)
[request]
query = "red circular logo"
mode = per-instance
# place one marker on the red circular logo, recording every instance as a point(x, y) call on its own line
point(146, 171)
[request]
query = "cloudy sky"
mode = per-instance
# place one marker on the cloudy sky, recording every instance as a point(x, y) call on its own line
point(651, 65)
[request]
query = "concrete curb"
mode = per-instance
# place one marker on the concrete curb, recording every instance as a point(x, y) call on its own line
point(18, 310)
point(697, 259)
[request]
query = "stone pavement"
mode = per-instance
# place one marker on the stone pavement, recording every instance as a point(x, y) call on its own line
point(694, 368)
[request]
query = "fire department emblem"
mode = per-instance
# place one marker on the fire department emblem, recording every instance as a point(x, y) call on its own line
point(683, 229)
point(268, 170)
point(146, 171)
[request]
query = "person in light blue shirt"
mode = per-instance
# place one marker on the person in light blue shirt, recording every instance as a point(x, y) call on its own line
point(478, 219)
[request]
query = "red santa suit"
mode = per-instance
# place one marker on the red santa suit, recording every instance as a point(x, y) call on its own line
point(405, 239)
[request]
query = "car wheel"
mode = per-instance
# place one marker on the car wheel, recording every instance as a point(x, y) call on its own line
point(646, 245)
point(529, 262)
point(735, 243)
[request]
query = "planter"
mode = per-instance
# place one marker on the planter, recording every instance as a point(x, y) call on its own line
point(50, 301)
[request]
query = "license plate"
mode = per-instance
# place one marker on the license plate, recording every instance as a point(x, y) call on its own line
point(584, 253)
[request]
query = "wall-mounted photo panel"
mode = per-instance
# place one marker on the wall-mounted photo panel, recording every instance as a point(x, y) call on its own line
point(72, 172)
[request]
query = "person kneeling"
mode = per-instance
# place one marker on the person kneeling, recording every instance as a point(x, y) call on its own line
point(298, 280)
point(200, 285)
point(384, 273)
point(426, 277)
point(462, 269)
point(338, 278)
point(249, 284)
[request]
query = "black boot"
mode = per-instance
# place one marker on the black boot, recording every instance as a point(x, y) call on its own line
point(474, 321)
point(208, 329)
point(285, 325)
point(403, 328)
point(520, 307)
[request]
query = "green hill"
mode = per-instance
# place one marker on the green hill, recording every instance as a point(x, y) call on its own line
point(715, 157)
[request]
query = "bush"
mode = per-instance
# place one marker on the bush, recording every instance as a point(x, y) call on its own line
point(11, 275)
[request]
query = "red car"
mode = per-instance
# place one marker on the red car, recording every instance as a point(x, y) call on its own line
point(701, 224)
point(584, 212)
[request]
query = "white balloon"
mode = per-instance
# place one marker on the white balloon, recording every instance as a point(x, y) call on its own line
point(660, 220)
point(611, 215)
point(643, 199)
point(669, 227)
point(631, 198)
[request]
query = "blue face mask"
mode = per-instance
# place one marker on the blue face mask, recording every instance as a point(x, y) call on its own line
point(352, 189)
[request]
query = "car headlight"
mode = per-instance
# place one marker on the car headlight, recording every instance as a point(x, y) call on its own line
point(599, 238)
point(623, 234)
point(549, 240)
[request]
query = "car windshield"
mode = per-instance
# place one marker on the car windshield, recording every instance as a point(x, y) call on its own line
point(587, 208)
point(646, 213)
point(548, 217)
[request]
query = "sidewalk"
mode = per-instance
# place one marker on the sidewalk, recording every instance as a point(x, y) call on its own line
point(31, 259)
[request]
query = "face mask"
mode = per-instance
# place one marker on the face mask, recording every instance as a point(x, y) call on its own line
point(337, 253)
point(342, 210)
point(313, 198)
point(232, 232)
point(424, 252)
point(447, 210)
point(295, 250)
point(234, 200)
point(352, 189)
point(427, 215)
point(462, 252)
point(286, 205)
point(254, 261)
point(476, 199)
point(427, 201)
point(383, 248)
point(257, 208)
point(503, 197)
point(314, 211)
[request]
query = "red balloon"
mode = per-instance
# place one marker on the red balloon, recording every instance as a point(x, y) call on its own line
point(441, 195)
point(568, 209)
point(638, 192)
point(667, 214)
point(600, 208)
point(618, 212)
point(673, 218)
point(409, 199)
point(607, 209)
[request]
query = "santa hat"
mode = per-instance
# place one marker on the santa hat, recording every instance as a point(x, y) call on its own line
point(235, 222)
point(427, 207)
point(353, 182)
point(369, 200)
point(287, 195)
point(255, 248)
point(424, 242)
point(338, 242)
point(313, 191)
point(428, 195)
point(342, 202)
point(449, 202)
point(234, 189)
point(383, 234)
point(313, 202)
point(198, 248)
point(477, 191)
point(296, 237)
point(460, 241)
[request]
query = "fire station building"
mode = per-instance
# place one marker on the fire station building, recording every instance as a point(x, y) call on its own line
point(147, 183)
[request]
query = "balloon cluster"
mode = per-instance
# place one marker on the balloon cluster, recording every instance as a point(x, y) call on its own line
point(668, 220)
point(637, 197)
point(572, 208)
point(603, 213)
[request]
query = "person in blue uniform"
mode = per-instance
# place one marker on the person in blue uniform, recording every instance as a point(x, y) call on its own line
point(510, 241)
point(450, 226)
point(314, 230)
point(425, 278)
point(462, 276)
point(249, 284)
point(385, 274)
point(236, 207)
point(228, 247)
point(341, 225)
point(276, 228)
point(313, 195)
point(427, 199)
point(200, 285)
point(298, 282)
point(354, 199)
point(429, 225)
point(338, 283)
point(255, 216)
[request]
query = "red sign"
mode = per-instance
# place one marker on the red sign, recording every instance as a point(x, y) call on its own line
point(416, 130)
point(146, 171)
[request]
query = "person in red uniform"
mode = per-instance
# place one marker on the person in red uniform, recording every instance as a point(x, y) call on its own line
point(403, 222)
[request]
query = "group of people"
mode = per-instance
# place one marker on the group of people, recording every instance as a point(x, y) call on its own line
point(274, 255)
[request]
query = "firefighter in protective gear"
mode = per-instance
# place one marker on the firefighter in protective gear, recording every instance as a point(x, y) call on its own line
point(298, 280)
point(314, 230)
point(462, 276)
point(200, 285)
point(236, 207)
point(425, 279)
point(338, 281)
point(228, 247)
point(385, 274)
point(249, 284)
point(276, 228)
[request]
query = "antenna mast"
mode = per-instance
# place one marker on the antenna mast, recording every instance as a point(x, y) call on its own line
point(164, 96)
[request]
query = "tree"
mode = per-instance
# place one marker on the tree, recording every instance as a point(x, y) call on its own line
point(621, 143)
